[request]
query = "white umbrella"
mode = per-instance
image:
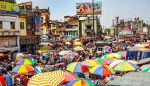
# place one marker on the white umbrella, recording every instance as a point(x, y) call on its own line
point(67, 43)
point(78, 48)
point(19, 55)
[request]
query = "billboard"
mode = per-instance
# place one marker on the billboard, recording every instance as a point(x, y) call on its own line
point(37, 22)
point(6, 6)
point(87, 8)
point(27, 6)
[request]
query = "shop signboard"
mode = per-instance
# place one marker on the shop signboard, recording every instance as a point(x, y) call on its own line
point(87, 8)
point(10, 7)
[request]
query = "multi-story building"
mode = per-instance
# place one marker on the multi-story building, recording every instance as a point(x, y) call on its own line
point(45, 16)
point(86, 28)
point(71, 30)
point(9, 26)
point(57, 29)
point(30, 27)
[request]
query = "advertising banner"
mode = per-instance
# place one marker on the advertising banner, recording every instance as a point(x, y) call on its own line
point(6, 6)
point(87, 8)
point(37, 25)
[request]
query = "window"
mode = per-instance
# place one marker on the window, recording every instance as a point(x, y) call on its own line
point(1, 25)
point(12, 25)
point(88, 26)
point(21, 25)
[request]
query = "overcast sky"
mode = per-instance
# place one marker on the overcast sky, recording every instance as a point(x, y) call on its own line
point(125, 9)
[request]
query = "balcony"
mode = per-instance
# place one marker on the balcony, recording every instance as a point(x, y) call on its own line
point(88, 30)
point(9, 32)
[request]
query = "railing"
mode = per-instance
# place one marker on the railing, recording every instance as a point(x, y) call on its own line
point(9, 32)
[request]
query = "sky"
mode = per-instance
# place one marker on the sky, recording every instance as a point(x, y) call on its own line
point(125, 9)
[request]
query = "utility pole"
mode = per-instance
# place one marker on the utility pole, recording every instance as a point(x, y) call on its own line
point(93, 18)
point(117, 27)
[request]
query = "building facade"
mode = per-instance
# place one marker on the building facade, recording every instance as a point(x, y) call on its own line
point(9, 27)
point(45, 16)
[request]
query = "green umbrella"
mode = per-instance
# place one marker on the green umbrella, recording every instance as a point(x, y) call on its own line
point(146, 69)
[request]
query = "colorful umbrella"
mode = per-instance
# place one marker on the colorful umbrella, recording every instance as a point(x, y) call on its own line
point(68, 77)
point(146, 69)
point(90, 63)
point(78, 48)
point(54, 78)
point(77, 68)
point(102, 61)
point(25, 62)
point(111, 56)
point(23, 69)
point(122, 53)
point(145, 66)
point(80, 82)
point(126, 66)
point(116, 62)
point(102, 70)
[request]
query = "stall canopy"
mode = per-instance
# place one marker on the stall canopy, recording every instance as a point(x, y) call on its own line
point(126, 32)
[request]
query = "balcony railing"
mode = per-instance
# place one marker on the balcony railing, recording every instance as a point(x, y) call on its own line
point(88, 30)
point(9, 32)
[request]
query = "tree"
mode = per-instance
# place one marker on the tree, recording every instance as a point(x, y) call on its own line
point(99, 27)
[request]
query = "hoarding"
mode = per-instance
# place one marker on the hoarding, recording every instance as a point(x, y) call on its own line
point(27, 6)
point(6, 6)
point(37, 22)
point(87, 8)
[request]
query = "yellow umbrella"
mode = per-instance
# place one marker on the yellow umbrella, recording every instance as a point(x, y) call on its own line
point(78, 44)
point(78, 48)
point(54, 78)
point(90, 63)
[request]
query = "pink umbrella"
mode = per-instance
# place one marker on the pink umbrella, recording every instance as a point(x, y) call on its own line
point(68, 77)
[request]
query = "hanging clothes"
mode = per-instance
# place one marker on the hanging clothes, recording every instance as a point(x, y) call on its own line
point(2, 81)
point(8, 80)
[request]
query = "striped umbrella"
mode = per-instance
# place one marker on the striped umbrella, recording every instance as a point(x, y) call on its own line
point(102, 70)
point(77, 68)
point(54, 78)
point(80, 82)
point(146, 69)
point(126, 66)
point(23, 69)
point(25, 62)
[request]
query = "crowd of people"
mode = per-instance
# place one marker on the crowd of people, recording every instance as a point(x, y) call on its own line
point(57, 62)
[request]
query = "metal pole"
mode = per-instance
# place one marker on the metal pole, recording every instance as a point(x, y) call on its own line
point(93, 18)
point(117, 18)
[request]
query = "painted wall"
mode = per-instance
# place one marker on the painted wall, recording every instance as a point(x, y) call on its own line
point(23, 31)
